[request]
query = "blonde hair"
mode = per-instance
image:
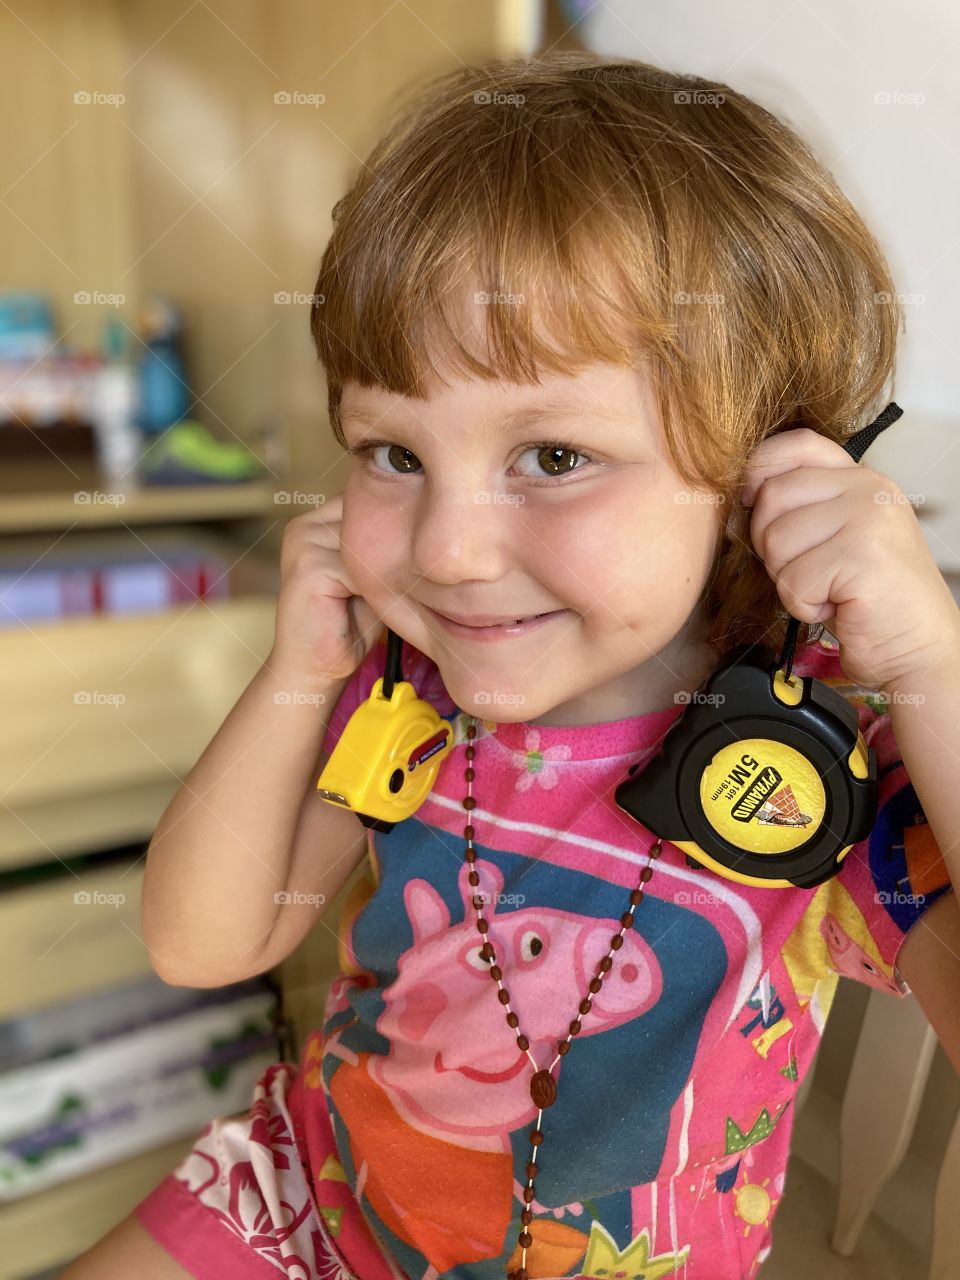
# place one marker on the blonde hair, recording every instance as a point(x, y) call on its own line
point(650, 219)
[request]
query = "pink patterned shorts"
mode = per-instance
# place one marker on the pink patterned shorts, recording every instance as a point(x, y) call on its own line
point(240, 1204)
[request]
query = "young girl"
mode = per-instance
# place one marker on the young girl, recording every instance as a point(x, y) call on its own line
point(577, 317)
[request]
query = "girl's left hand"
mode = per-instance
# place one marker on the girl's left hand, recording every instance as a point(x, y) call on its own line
point(844, 547)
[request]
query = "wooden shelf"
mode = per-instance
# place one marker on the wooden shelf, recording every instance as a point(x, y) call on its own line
point(50, 1228)
point(24, 512)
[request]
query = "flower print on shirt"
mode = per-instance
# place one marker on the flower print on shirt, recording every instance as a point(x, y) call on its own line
point(536, 766)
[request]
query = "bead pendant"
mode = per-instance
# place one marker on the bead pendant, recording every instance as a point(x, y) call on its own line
point(543, 1089)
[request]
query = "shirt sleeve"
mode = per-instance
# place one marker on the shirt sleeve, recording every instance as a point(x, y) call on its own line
point(888, 881)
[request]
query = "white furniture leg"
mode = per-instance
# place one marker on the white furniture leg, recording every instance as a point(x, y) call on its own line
point(946, 1211)
point(880, 1105)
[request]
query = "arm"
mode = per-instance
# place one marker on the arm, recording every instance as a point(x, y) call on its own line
point(929, 962)
point(224, 845)
point(925, 716)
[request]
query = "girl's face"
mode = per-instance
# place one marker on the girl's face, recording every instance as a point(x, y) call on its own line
point(504, 500)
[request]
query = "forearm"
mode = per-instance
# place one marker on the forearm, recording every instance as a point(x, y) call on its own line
point(222, 848)
point(925, 715)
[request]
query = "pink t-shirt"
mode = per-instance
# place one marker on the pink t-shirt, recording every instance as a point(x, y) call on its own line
point(666, 1149)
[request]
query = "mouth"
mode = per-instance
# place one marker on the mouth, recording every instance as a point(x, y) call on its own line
point(488, 628)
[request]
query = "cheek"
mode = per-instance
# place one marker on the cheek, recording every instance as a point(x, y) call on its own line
point(370, 545)
point(616, 556)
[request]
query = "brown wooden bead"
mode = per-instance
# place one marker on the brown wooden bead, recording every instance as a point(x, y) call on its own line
point(521, 1274)
point(575, 1027)
point(606, 964)
point(543, 1089)
point(636, 897)
point(586, 1005)
point(470, 855)
point(482, 926)
point(523, 1042)
point(616, 941)
point(563, 1048)
point(495, 973)
point(627, 919)
point(471, 730)
point(536, 1137)
point(525, 1239)
point(468, 832)
point(646, 874)
point(468, 775)
point(503, 995)
point(479, 901)
point(529, 1193)
point(469, 802)
point(526, 1217)
point(474, 877)
point(487, 951)
point(532, 1169)
point(595, 985)
point(512, 1019)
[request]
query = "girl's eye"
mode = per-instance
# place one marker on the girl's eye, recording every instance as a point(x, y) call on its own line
point(556, 458)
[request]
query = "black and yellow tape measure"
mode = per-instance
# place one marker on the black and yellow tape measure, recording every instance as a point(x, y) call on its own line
point(763, 778)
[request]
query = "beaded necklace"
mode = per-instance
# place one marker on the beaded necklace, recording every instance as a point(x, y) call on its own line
point(543, 1085)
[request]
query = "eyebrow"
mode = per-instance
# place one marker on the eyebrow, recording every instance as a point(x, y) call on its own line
point(516, 419)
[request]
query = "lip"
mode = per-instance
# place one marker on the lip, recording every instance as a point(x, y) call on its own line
point(482, 631)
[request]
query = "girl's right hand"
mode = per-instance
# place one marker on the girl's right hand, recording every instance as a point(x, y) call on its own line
point(324, 627)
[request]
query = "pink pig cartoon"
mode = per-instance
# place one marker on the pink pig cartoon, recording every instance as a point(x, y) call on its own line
point(437, 1110)
point(849, 958)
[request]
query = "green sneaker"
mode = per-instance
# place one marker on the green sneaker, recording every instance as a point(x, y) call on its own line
point(187, 453)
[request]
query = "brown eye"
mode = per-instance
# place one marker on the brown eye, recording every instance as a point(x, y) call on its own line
point(400, 458)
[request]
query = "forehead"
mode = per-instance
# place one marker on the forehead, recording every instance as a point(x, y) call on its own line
point(600, 391)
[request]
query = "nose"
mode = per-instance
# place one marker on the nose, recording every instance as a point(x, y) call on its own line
point(459, 534)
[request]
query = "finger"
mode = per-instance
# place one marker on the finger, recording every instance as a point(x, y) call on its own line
point(786, 451)
point(791, 490)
